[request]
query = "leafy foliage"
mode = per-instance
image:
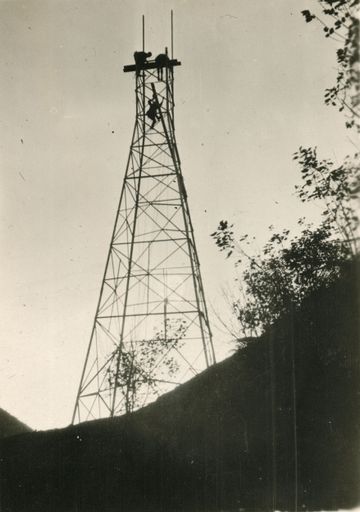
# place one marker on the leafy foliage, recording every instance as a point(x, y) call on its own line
point(147, 364)
point(342, 24)
point(337, 186)
point(290, 269)
point(284, 273)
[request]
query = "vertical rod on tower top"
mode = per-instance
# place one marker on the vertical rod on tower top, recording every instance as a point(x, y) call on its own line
point(172, 34)
point(143, 33)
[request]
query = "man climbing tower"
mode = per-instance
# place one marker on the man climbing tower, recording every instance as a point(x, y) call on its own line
point(152, 113)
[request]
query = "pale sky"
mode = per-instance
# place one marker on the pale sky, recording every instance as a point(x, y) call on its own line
point(248, 93)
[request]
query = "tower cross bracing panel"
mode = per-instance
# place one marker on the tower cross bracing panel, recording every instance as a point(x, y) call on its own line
point(151, 329)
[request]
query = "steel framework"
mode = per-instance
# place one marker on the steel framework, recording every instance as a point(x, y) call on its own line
point(151, 329)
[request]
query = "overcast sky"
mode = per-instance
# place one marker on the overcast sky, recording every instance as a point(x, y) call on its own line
point(248, 93)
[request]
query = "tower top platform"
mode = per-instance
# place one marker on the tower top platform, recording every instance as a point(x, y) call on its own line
point(150, 65)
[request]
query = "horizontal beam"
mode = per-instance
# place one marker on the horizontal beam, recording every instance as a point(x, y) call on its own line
point(151, 241)
point(190, 312)
point(150, 65)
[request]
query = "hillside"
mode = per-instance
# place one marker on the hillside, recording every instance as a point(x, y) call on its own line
point(224, 440)
point(10, 426)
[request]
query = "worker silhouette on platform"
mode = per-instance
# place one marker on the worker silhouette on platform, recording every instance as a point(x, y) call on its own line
point(161, 61)
point(152, 113)
point(141, 59)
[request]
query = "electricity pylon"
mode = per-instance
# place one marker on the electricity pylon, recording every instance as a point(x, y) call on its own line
point(151, 329)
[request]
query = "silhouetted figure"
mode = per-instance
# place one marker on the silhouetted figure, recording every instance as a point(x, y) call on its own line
point(152, 113)
point(140, 59)
point(161, 61)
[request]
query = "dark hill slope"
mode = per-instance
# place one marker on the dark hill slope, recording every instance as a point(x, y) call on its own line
point(216, 443)
point(10, 426)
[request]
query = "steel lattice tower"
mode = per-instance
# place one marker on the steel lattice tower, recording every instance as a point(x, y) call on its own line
point(151, 329)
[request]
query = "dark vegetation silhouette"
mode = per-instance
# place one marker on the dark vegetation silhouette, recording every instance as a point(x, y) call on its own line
point(147, 364)
point(291, 267)
point(208, 445)
point(340, 22)
point(10, 426)
point(275, 426)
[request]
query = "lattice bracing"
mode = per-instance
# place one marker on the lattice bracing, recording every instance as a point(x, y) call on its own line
point(151, 329)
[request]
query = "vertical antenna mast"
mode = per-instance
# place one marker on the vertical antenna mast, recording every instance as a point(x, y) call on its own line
point(143, 33)
point(172, 56)
point(172, 34)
